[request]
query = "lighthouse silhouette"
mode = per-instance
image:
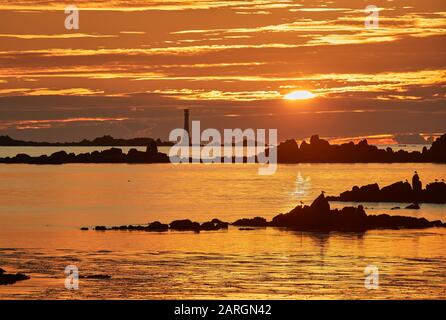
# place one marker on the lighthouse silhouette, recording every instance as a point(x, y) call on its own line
point(186, 124)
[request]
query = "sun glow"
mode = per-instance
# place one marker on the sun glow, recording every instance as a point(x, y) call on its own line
point(299, 95)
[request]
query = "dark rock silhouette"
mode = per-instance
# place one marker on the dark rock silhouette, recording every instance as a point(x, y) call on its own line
point(215, 224)
point(416, 183)
point(349, 219)
point(253, 222)
point(317, 217)
point(398, 192)
point(179, 225)
point(113, 155)
point(157, 226)
point(316, 151)
point(105, 141)
point(9, 278)
point(320, 151)
point(410, 139)
point(84, 229)
point(414, 206)
point(184, 225)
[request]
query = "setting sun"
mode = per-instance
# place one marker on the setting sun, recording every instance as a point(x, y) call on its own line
point(299, 95)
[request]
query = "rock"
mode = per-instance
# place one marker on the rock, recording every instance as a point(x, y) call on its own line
point(288, 152)
point(152, 148)
point(2, 271)
point(397, 192)
point(438, 223)
point(100, 228)
point(254, 222)
point(157, 226)
point(348, 219)
point(414, 206)
point(185, 225)
point(416, 183)
point(395, 208)
point(113, 155)
point(320, 206)
point(84, 228)
point(6, 278)
point(215, 224)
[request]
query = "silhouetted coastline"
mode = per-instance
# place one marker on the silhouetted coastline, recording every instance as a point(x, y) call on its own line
point(316, 218)
point(113, 155)
point(320, 151)
point(288, 152)
point(104, 141)
point(403, 192)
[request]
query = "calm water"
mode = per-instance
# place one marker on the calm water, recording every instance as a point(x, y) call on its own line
point(42, 207)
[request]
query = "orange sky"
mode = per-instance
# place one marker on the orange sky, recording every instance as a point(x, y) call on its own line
point(134, 63)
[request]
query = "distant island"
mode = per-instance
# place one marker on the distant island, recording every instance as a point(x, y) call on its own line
point(105, 141)
point(403, 192)
point(318, 217)
point(320, 151)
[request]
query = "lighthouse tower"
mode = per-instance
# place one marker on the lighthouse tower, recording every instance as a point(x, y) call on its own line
point(186, 123)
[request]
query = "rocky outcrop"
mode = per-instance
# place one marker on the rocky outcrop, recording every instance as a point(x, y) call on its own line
point(9, 278)
point(253, 222)
point(320, 218)
point(157, 226)
point(184, 225)
point(214, 224)
point(104, 141)
point(320, 151)
point(178, 225)
point(317, 217)
point(397, 192)
point(113, 155)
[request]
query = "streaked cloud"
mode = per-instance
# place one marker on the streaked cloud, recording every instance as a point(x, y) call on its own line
point(234, 59)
